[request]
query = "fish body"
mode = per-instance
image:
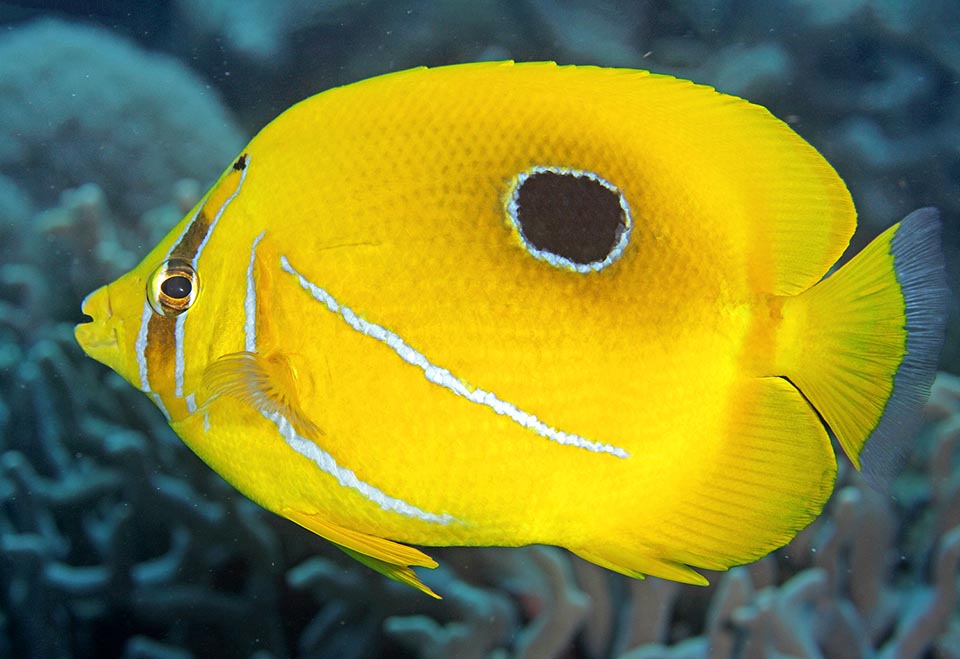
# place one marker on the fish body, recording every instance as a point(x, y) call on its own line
point(504, 304)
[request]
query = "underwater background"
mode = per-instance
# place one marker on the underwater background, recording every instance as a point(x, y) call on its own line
point(116, 541)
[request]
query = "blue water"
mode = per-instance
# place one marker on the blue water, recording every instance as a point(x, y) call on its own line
point(115, 541)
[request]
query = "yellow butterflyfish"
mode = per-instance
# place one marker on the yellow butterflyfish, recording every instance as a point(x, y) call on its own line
point(505, 304)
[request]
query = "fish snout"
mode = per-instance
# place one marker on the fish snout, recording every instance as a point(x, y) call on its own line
point(98, 335)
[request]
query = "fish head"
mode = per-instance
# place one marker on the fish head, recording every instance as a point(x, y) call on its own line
point(160, 325)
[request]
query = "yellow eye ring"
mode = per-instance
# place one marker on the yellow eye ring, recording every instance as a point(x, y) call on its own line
point(173, 287)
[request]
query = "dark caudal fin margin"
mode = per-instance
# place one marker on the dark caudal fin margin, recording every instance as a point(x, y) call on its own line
point(918, 262)
point(862, 345)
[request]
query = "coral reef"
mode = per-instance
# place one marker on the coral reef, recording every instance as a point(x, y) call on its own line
point(116, 541)
point(79, 104)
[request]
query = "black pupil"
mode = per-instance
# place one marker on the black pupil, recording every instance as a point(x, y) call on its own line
point(178, 287)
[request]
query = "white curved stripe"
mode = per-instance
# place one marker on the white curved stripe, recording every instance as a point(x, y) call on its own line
point(141, 347)
point(220, 212)
point(180, 359)
point(441, 376)
point(159, 402)
point(250, 301)
point(346, 477)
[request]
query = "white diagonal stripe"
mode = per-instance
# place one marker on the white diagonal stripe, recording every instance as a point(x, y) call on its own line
point(346, 477)
point(220, 212)
point(441, 376)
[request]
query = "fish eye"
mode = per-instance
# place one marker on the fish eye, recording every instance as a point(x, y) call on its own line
point(173, 287)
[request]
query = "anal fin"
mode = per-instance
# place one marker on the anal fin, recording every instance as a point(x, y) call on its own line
point(638, 567)
point(391, 559)
point(749, 490)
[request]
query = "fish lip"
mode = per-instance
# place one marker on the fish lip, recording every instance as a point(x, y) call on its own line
point(85, 305)
point(100, 332)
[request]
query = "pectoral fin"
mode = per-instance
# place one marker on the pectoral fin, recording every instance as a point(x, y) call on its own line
point(389, 558)
point(266, 382)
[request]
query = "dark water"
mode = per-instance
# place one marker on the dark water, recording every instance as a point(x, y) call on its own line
point(115, 541)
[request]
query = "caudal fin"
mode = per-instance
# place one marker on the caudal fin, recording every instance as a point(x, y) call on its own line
point(863, 344)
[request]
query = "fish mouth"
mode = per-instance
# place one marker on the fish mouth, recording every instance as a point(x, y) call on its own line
point(99, 334)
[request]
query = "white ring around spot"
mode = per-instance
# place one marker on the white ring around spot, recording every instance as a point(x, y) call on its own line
point(555, 259)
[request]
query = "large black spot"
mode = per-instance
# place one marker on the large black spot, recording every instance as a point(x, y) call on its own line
point(573, 216)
